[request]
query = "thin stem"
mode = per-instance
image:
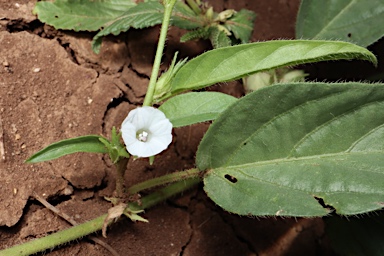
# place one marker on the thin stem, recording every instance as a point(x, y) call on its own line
point(79, 231)
point(165, 193)
point(172, 177)
point(194, 6)
point(121, 166)
point(56, 239)
point(168, 5)
point(71, 221)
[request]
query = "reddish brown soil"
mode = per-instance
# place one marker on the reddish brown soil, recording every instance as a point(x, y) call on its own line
point(52, 87)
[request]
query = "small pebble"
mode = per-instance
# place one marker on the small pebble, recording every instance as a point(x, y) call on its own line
point(17, 136)
point(6, 64)
point(36, 70)
point(68, 190)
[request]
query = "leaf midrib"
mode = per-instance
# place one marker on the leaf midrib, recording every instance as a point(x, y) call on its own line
point(299, 142)
point(302, 158)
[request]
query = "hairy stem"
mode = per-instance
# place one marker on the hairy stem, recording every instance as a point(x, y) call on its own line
point(89, 227)
point(121, 166)
point(168, 5)
point(172, 177)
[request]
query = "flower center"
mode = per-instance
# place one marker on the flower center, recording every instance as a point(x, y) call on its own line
point(142, 136)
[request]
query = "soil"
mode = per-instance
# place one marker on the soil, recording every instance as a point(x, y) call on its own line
point(53, 87)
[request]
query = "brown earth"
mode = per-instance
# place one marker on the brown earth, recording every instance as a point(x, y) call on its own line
point(53, 87)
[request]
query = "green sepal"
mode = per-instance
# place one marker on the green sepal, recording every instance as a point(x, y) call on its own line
point(163, 84)
point(116, 149)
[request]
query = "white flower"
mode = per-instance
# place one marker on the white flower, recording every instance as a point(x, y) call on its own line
point(146, 132)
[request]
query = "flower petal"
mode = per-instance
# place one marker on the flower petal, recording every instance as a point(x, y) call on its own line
point(151, 120)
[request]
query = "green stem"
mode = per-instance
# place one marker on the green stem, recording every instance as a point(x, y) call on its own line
point(81, 230)
point(172, 177)
point(194, 6)
point(168, 5)
point(165, 193)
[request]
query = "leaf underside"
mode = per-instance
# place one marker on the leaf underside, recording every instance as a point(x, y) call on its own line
point(346, 20)
point(231, 63)
point(88, 144)
point(195, 107)
point(284, 149)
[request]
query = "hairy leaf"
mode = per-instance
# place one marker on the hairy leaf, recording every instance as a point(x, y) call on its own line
point(241, 25)
point(147, 14)
point(196, 34)
point(195, 107)
point(218, 38)
point(81, 15)
point(280, 149)
point(89, 144)
point(347, 20)
point(356, 236)
point(230, 63)
point(184, 17)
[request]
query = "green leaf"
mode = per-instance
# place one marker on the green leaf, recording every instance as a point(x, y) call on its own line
point(280, 149)
point(241, 25)
point(218, 38)
point(196, 34)
point(143, 15)
point(234, 62)
point(184, 17)
point(146, 14)
point(195, 107)
point(356, 236)
point(81, 15)
point(347, 20)
point(89, 144)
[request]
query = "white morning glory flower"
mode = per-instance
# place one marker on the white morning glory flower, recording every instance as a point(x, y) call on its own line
point(146, 131)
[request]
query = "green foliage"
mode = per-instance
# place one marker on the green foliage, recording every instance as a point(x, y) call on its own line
point(281, 148)
point(195, 107)
point(196, 34)
point(116, 16)
point(241, 25)
point(163, 83)
point(88, 143)
point(230, 63)
point(218, 38)
point(225, 28)
point(357, 236)
point(81, 15)
point(347, 20)
point(147, 14)
point(115, 148)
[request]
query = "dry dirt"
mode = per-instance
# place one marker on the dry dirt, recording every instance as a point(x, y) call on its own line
point(53, 87)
